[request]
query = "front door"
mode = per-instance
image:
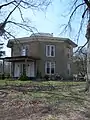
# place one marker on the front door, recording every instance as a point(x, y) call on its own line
point(30, 71)
point(22, 68)
point(17, 70)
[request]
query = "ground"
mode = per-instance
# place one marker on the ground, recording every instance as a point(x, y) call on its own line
point(50, 100)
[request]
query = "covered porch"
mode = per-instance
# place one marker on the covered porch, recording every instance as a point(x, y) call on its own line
point(22, 65)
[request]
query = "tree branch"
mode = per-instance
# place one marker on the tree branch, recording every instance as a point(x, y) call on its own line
point(87, 2)
point(84, 12)
point(80, 49)
point(80, 28)
point(69, 21)
point(17, 41)
point(4, 23)
point(75, 10)
point(1, 6)
point(23, 26)
point(19, 4)
point(20, 12)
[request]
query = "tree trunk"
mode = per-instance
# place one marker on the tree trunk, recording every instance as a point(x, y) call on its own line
point(88, 68)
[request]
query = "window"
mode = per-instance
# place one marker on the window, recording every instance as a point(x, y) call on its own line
point(68, 52)
point(50, 50)
point(69, 68)
point(50, 68)
point(24, 50)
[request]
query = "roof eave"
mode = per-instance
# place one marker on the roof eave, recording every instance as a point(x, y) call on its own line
point(72, 43)
point(10, 44)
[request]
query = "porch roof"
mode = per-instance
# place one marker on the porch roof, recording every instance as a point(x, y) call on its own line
point(20, 58)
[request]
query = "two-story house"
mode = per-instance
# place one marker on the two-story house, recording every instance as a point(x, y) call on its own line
point(41, 53)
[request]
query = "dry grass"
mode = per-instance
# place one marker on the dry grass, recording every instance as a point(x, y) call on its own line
point(51, 100)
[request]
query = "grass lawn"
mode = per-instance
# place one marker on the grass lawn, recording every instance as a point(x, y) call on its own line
point(54, 83)
point(48, 100)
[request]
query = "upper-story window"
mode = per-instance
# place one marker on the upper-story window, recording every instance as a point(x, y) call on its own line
point(50, 50)
point(24, 50)
point(68, 52)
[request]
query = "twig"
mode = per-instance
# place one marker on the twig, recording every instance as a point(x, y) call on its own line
point(1, 6)
point(79, 50)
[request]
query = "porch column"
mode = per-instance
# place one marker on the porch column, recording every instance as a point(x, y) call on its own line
point(12, 69)
point(26, 66)
point(35, 68)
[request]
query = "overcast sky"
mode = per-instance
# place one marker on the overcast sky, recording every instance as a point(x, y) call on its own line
point(51, 21)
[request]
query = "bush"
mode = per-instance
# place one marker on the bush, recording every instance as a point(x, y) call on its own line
point(39, 74)
point(3, 76)
point(8, 76)
point(59, 77)
point(23, 77)
point(46, 77)
point(68, 78)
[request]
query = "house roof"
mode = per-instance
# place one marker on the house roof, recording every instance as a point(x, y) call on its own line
point(40, 38)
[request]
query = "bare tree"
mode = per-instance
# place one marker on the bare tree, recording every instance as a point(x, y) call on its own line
point(82, 7)
point(9, 23)
point(80, 62)
point(7, 18)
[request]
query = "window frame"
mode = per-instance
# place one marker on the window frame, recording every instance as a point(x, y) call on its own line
point(50, 64)
point(69, 68)
point(26, 48)
point(50, 52)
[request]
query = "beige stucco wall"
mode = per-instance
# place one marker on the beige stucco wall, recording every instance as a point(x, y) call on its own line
point(33, 49)
point(60, 58)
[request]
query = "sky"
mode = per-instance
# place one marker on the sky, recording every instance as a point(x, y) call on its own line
point(50, 21)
